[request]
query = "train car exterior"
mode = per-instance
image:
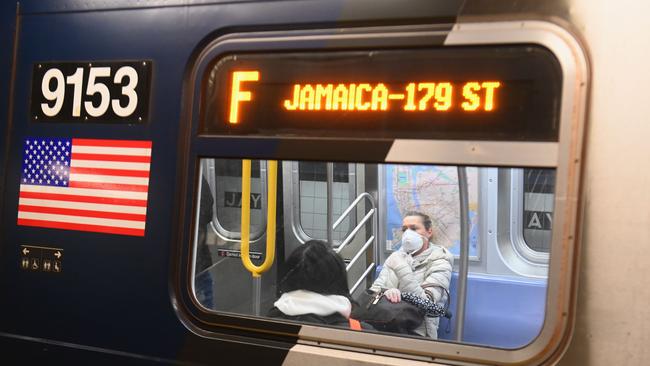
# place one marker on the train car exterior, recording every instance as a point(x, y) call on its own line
point(162, 160)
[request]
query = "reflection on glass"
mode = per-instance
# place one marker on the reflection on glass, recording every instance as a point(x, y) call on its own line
point(432, 190)
point(399, 241)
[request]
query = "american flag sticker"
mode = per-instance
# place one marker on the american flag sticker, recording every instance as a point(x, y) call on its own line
point(85, 185)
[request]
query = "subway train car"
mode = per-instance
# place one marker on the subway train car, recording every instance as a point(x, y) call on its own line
point(162, 160)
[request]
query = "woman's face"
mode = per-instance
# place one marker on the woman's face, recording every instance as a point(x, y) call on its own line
point(416, 224)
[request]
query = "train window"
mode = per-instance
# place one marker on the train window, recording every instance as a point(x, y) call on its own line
point(539, 186)
point(388, 124)
point(224, 179)
point(312, 198)
point(428, 194)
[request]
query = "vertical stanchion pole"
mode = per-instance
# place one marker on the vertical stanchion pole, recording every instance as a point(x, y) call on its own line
point(330, 203)
point(461, 294)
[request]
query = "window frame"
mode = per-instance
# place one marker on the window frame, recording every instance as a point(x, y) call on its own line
point(563, 155)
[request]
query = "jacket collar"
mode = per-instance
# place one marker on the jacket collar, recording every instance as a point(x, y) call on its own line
point(300, 302)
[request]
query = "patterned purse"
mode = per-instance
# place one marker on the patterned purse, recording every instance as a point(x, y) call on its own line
point(430, 308)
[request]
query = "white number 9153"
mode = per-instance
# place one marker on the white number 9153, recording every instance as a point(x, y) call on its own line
point(85, 91)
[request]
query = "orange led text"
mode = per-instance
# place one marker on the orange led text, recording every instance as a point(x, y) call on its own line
point(238, 95)
point(423, 96)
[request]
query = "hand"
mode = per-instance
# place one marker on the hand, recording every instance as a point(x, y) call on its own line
point(393, 295)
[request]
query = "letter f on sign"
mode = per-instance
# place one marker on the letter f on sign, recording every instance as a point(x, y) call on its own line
point(237, 95)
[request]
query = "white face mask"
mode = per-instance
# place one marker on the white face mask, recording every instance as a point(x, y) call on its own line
point(412, 241)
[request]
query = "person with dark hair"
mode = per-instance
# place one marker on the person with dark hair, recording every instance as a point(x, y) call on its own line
point(419, 267)
point(315, 288)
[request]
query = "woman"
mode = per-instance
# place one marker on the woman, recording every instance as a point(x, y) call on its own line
point(419, 267)
point(315, 289)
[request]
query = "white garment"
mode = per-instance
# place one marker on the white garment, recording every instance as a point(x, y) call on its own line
point(300, 302)
point(432, 266)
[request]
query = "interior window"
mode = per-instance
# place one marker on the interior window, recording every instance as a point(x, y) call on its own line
point(539, 189)
point(312, 178)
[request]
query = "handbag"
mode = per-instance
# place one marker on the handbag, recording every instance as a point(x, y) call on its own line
point(383, 315)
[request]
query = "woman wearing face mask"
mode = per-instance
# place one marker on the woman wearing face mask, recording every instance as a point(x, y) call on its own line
point(419, 267)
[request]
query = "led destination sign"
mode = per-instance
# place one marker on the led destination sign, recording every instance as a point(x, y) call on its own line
point(502, 93)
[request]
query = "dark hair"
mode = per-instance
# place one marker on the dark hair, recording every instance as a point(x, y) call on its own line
point(314, 266)
point(426, 220)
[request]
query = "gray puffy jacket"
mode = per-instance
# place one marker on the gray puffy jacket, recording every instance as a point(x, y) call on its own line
point(431, 267)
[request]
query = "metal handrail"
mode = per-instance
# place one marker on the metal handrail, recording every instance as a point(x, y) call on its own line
point(361, 251)
point(370, 215)
point(356, 284)
point(355, 230)
point(353, 205)
point(255, 270)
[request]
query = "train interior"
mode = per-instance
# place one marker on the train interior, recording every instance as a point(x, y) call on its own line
point(507, 212)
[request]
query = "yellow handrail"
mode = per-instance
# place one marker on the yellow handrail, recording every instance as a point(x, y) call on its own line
point(272, 167)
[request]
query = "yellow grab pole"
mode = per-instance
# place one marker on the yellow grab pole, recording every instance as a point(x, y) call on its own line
point(272, 167)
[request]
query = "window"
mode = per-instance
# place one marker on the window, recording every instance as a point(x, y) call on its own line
point(222, 283)
point(535, 136)
point(312, 178)
point(539, 189)
point(224, 179)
